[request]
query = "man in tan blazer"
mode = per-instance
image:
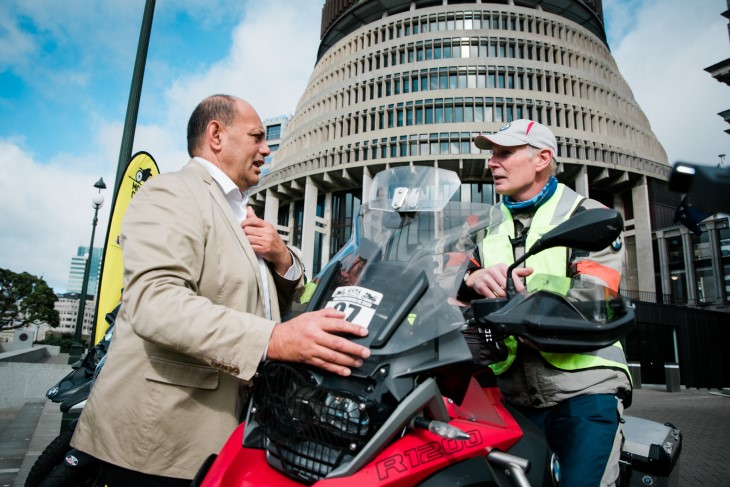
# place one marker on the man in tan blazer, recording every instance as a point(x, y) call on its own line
point(206, 282)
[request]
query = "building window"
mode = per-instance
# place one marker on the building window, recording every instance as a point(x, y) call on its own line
point(273, 132)
point(676, 269)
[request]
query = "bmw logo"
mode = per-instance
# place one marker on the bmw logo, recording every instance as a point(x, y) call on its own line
point(71, 460)
point(616, 245)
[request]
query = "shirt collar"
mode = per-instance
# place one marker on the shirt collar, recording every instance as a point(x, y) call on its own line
point(226, 184)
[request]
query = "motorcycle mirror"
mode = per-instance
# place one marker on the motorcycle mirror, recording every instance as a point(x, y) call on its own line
point(591, 230)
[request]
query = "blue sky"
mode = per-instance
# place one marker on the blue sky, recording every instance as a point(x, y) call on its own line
point(66, 69)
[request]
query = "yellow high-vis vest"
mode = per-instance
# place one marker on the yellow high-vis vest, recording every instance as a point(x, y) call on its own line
point(497, 248)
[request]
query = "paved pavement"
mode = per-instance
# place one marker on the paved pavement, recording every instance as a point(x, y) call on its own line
point(23, 438)
point(26, 431)
point(702, 416)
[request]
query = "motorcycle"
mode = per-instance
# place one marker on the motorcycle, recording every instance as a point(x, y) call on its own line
point(418, 411)
point(83, 370)
point(59, 465)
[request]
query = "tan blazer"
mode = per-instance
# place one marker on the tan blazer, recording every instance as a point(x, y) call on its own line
point(190, 332)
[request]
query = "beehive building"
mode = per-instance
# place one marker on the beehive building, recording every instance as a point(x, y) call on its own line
point(413, 82)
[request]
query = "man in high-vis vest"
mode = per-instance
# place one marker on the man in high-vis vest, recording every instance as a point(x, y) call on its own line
point(576, 399)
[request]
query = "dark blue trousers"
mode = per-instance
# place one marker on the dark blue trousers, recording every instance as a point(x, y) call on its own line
point(581, 431)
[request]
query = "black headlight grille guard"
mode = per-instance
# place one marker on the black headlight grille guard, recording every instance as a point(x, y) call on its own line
point(309, 430)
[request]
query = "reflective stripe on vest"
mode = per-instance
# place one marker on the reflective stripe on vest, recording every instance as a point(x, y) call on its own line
point(497, 248)
point(610, 357)
point(309, 289)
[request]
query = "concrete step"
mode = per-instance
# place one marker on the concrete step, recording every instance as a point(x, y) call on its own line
point(16, 430)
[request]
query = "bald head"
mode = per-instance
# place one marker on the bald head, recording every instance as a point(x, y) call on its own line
point(217, 107)
point(227, 132)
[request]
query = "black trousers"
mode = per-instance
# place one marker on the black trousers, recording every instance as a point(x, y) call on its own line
point(115, 476)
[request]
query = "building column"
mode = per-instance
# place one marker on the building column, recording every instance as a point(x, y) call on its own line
point(292, 220)
point(628, 280)
point(581, 182)
point(716, 255)
point(642, 232)
point(465, 196)
point(271, 208)
point(325, 228)
point(367, 180)
point(666, 278)
point(689, 266)
point(581, 125)
point(309, 223)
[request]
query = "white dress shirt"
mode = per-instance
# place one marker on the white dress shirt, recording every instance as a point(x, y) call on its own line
point(238, 202)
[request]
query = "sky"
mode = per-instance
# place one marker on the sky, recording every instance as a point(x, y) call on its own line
point(66, 70)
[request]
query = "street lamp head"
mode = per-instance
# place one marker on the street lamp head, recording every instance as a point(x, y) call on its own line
point(97, 201)
point(100, 184)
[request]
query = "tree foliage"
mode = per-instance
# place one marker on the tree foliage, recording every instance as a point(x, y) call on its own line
point(25, 299)
point(63, 340)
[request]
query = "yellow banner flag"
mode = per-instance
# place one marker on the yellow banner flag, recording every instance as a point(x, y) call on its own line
point(139, 169)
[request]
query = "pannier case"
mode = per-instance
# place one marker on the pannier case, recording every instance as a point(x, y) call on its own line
point(651, 452)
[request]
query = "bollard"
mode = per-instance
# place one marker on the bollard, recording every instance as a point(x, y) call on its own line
point(671, 374)
point(635, 371)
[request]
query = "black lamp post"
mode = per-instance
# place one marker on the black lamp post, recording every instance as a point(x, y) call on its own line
point(77, 348)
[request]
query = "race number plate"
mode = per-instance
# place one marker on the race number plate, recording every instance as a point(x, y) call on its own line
point(358, 303)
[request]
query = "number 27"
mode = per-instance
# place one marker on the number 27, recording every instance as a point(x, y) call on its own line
point(350, 310)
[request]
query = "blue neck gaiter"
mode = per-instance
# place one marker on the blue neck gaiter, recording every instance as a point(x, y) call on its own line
point(534, 203)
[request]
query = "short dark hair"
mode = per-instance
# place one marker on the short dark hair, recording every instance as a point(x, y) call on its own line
point(215, 107)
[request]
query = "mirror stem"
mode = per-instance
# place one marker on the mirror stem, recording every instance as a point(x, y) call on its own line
point(510, 288)
point(510, 284)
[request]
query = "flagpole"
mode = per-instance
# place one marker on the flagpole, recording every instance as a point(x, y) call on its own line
point(130, 122)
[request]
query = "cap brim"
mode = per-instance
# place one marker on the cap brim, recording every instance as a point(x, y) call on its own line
point(486, 142)
point(482, 142)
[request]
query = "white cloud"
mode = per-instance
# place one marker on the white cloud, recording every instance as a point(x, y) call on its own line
point(167, 148)
point(46, 212)
point(46, 205)
point(619, 17)
point(15, 45)
point(272, 55)
point(92, 34)
point(662, 57)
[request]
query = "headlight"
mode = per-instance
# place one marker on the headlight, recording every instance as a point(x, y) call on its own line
point(309, 429)
point(345, 414)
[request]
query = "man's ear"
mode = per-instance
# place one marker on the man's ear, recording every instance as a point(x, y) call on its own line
point(214, 135)
point(545, 157)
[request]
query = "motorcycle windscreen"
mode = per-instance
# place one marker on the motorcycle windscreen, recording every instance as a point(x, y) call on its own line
point(400, 274)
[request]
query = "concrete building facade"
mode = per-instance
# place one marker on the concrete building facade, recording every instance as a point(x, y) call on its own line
point(68, 310)
point(721, 72)
point(413, 82)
